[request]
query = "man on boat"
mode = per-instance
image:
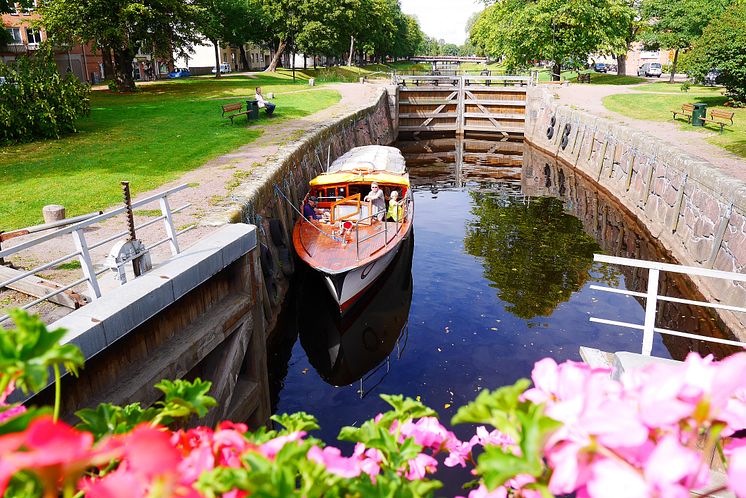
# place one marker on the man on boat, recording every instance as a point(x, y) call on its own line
point(376, 197)
point(309, 209)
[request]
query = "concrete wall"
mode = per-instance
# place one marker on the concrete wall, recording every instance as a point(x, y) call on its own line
point(697, 212)
point(266, 198)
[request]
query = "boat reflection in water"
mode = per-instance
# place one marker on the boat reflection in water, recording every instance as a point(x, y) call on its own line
point(359, 345)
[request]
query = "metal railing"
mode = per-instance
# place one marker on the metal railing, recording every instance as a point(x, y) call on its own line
point(652, 297)
point(466, 80)
point(83, 247)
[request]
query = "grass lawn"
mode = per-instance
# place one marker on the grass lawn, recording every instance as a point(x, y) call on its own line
point(149, 138)
point(665, 87)
point(658, 107)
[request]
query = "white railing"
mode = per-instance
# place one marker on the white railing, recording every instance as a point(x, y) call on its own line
point(465, 80)
point(652, 297)
point(83, 246)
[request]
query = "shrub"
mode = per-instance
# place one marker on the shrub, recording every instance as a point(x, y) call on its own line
point(723, 46)
point(36, 101)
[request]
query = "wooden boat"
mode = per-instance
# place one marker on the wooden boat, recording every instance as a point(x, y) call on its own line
point(351, 247)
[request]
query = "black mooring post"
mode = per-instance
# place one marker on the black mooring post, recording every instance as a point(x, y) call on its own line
point(130, 221)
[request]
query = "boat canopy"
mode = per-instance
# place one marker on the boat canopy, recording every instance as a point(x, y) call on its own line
point(344, 178)
point(370, 157)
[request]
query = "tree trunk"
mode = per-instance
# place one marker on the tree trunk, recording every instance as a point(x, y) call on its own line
point(673, 65)
point(314, 62)
point(123, 70)
point(217, 58)
point(244, 58)
point(556, 70)
point(108, 63)
point(278, 53)
point(305, 62)
point(621, 64)
point(352, 50)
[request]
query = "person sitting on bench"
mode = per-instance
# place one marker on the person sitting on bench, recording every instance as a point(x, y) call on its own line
point(269, 107)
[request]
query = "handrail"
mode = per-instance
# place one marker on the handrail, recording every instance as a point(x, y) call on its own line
point(346, 202)
point(82, 247)
point(652, 297)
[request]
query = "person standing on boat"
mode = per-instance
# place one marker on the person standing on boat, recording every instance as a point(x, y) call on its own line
point(376, 197)
point(309, 209)
point(269, 107)
point(395, 207)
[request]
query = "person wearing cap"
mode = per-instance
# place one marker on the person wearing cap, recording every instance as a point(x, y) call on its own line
point(376, 197)
point(309, 209)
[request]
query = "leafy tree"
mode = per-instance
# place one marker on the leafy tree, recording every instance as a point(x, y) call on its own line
point(538, 260)
point(555, 30)
point(723, 45)
point(160, 27)
point(226, 21)
point(675, 24)
point(37, 101)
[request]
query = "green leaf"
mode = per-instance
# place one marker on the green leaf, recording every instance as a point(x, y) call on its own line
point(184, 398)
point(20, 422)
point(497, 408)
point(107, 419)
point(300, 421)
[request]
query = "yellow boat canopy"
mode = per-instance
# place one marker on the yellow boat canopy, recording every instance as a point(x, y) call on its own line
point(347, 177)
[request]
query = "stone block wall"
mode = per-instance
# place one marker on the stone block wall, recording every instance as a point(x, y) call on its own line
point(696, 212)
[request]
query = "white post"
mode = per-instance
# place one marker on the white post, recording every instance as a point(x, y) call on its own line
point(86, 264)
point(169, 223)
point(650, 308)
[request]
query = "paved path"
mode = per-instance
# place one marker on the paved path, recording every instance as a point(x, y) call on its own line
point(589, 98)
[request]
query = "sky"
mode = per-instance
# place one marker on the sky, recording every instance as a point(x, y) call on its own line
point(444, 19)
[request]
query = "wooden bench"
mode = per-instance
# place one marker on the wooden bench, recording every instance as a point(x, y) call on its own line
point(235, 110)
point(720, 118)
point(686, 111)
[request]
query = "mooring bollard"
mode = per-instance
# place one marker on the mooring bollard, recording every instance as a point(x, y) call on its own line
point(311, 82)
point(53, 212)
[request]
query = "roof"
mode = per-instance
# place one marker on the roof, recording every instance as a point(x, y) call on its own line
point(370, 157)
point(345, 177)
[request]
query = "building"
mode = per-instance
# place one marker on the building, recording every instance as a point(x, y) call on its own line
point(636, 57)
point(80, 60)
point(201, 60)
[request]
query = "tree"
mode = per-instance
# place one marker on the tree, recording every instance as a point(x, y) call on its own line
point(556, 30)
point(225, 21)
point(675, 24)
point(159, 27)
point(723, 45)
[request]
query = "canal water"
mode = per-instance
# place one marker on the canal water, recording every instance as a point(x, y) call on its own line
point(496, 277)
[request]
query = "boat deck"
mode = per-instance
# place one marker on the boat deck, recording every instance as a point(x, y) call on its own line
point(330, 254)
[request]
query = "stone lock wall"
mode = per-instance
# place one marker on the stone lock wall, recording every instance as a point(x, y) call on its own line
point(270, 195)
point(694, 210)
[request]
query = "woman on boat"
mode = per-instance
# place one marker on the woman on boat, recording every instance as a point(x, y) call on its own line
point(395, 207)
point(376, 197)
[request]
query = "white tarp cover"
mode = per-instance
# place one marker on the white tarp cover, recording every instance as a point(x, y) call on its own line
point(374, 157)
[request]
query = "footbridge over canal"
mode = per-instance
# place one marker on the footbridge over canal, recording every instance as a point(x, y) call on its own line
point(463, 104)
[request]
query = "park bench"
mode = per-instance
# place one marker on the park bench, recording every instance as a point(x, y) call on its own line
point(720, 118)
point(235, 110)
point(686, 111)
point(584, 78)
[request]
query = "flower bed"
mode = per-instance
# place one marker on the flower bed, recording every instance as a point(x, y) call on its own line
point(574, 431)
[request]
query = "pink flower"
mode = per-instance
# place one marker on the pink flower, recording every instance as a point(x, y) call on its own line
point(11, 412)
point(483, 492)
point(459, 452)
point(672, 465)
point(736, 450)
point(614, 479)
point(272, 447)
point(370, 460)
point(495, 438)
point(420, 466)
point(331, 458)
point(117, 484)
point(427, 432)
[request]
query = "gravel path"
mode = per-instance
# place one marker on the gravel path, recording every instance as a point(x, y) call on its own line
point(590, 97)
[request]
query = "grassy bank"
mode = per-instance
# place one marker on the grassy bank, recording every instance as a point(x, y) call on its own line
point(149, 138)
point(658, 106)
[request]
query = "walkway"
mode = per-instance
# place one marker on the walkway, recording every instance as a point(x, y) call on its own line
point(589, 98)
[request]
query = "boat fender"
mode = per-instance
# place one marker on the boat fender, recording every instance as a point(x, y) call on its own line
point(565, 136)
point(286, 261)
point(265, 257)
point(553, 121)
point(277, 233)
point(550, 132)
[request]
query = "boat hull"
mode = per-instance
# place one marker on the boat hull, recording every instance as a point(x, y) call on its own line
point(349, 286)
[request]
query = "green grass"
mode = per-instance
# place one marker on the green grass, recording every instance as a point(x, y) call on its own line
point(665, 87)
point(658, 107)
point(149, 138)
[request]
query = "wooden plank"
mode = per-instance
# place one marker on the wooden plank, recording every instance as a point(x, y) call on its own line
point(425, 89)
point(428, 128)
point(40, 287)
point(493, 129)
point(515, 103)
point(418, 115)
point(496, 115)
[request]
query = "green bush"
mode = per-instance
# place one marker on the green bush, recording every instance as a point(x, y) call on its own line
point(36, 101)
point(723, 46)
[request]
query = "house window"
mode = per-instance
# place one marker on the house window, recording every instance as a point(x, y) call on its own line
point(33, 36)
point(15, 35)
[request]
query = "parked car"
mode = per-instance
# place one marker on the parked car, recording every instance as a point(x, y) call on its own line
point(179, 72)
point(712, 77)
point(224, 68)
point(600, 67)
point(650, 69)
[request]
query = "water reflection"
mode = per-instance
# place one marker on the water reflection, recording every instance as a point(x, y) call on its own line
point(358, 346)
point(534, 253)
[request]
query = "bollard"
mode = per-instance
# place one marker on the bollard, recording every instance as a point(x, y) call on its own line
point(270, 95)
point(53, 212)
point(362, 79)
point(311, 82)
